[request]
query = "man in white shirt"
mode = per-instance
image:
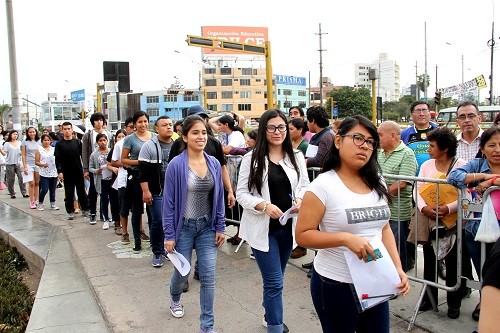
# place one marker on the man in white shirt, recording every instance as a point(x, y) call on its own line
point(468, 119)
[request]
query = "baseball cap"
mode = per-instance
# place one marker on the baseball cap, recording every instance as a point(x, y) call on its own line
point(198, 110)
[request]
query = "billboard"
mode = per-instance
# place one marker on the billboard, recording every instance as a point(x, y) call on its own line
point(247, 35)
point(78, 95)
point(290, 80)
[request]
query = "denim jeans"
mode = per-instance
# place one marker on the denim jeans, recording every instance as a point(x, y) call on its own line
point(337, 311)
point(134, 192)
point(48, 184)
point(400, 231)
point(104, 198)
point(198, 232)
point(156, 225)
point(272, 266)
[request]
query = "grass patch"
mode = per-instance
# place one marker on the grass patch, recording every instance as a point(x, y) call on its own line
point(15, 299)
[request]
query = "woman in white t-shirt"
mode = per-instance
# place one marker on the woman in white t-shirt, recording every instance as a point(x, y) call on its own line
point(29, 147)
point(235, 137)
point(344, 209)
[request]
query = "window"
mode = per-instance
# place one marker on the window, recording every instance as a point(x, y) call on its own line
point(211, 82)
point(245, 94)
point(153, 112)
point(244, 107)
point(225, 71)
point(227, 107)
point(279, 91)
point(212, 95)
point(258, 80)
point(301, 93)
point(226, 82)
point(170, 98)
point(287, 104)
point(152, 99)
point(258, 92)
point(209, 70)
point(244, 82)
point(287, 92)
point(246, 71)
point(167, 110)
point(227, 94)
point(212, 107)
point(191, 98)
point(302, 104)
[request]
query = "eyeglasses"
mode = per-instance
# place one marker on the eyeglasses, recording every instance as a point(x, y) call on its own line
point(130, 126)
point(359, 140)
point(420, 110)
point(272, 128)
point(468, 116)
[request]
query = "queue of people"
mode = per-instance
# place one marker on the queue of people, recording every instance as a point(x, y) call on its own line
point(180, 173)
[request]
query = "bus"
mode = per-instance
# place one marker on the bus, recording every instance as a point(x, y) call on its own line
point(447, 117)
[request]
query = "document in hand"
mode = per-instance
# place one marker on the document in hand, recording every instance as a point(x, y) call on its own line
point(288, 214)
point(179, 262)
point(28, 177)
point(374, 281)
point(311, 151)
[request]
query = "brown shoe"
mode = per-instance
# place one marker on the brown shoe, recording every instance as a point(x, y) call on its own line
point(298, 252)
point(125, 239)
point(144, 237)
point(118, 231)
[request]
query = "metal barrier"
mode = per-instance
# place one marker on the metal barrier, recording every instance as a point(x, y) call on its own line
point(459, 239)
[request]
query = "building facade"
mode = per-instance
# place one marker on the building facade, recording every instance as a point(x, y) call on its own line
point(388, 84)
point(173, 102)
point(291, 91)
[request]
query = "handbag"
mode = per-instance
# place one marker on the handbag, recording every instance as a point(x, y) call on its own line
point(488, 230)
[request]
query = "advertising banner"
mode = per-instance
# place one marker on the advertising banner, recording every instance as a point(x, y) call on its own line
point(474, 84)
point(247, 35)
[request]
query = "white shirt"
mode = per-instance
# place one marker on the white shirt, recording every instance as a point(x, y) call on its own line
point(345, 211)
point(121, 179)
point(236, 140)
point(467, 151)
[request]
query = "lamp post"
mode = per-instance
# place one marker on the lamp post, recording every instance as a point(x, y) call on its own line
point(462, 63)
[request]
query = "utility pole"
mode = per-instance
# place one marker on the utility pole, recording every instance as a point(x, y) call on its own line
point(14, 90)
point(321, 66)
point(417, 88)
point(426, 76)
point(491, 44)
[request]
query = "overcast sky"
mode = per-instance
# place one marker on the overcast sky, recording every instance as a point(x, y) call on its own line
point(61, 44)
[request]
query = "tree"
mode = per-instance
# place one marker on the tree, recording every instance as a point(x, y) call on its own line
point(3, 108)
point(350, 101)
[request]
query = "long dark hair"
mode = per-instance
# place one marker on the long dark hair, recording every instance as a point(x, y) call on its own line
point(261, 150)
point(230, 122)
point(370, 172)
point(189, 122)
point(37, 135)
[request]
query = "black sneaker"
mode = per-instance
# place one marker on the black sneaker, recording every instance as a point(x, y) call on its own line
point(137, 248)
point(196, 275)
point(185, 287)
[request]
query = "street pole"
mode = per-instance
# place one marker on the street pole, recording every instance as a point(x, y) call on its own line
point(269, 76)
point(491, 44)
point(426, 76)
point(14, 92)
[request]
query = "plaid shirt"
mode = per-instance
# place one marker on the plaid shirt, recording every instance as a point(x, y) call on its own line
point(467, 151)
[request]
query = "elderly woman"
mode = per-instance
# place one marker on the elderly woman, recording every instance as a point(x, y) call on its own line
point(442, 150)
point(479, 174)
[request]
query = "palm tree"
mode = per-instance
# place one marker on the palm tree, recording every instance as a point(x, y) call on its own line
point(3, 108)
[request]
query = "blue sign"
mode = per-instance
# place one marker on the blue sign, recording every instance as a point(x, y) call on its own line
point(78, 96)
point(291, 80)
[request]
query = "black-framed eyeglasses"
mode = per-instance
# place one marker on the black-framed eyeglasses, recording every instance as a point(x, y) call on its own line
point(272, 128)
point(468, 116)
point(359, 140)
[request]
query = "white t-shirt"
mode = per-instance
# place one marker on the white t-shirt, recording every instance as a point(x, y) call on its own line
point(236, 140)
point(121, 179)
point(345, 211)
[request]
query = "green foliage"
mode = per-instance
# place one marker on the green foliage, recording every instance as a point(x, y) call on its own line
point(351, 101)
point(15, 299)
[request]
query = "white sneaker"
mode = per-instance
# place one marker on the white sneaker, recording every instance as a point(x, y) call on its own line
point(40, 207)
point(176, 309)
point(105, 225)
point(54, 207)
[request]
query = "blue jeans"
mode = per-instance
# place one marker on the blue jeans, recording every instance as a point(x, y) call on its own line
point(134, 193)
point(48, 184)
point(156, 225)
point(198, 232)
point(272, 266)
point(400, 231)
point(474, 247)
point(337, 311)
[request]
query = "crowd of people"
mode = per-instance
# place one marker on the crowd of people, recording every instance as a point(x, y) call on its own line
point(180, 173)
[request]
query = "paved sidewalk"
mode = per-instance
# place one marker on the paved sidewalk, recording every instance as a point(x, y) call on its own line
point(93, 283)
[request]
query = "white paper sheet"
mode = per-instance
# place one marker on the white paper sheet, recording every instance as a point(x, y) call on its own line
point(373, 278)
point(180, 262)
point(311, 151)
point(105, 174)
point(28, 177)
point(286, 215)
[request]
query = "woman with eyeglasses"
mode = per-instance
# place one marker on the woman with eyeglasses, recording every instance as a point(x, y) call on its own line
point(348, 187)
point(272, 179)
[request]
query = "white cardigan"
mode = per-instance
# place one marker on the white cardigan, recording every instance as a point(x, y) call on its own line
point(254, 224)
